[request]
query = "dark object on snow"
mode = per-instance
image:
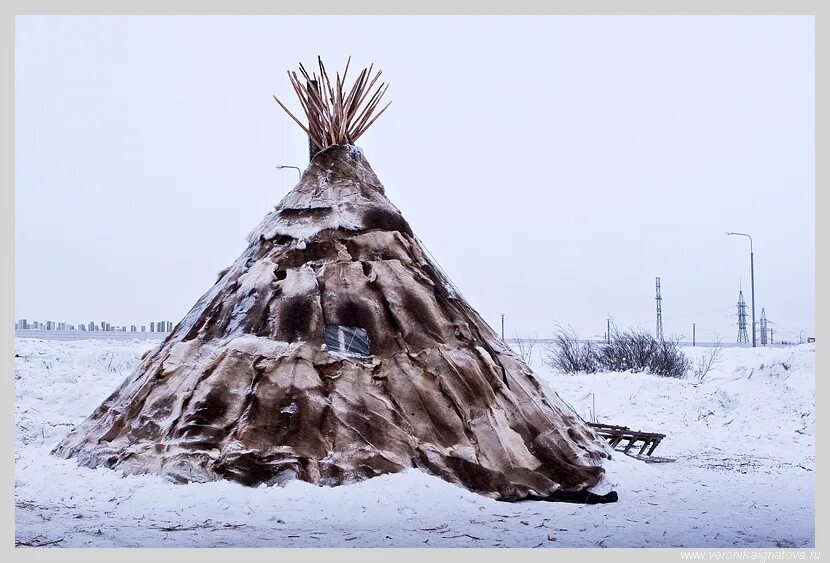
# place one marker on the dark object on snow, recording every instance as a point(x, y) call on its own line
point(582, 497)
point(578, 497)
point(616, 434)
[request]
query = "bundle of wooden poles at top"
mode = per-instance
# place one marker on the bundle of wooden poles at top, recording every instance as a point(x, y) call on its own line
point(335, 116)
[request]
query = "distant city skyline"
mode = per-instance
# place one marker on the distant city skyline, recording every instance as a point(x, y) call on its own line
point(92, 326)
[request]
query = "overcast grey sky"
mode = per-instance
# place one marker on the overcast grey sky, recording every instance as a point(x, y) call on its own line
point(553, 165)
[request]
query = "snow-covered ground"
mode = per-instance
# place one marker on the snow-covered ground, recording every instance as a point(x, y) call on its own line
point(743, 441)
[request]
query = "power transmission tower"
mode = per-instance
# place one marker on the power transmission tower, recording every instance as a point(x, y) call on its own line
point(763, 327)
point(742, 336)
point(659, 300)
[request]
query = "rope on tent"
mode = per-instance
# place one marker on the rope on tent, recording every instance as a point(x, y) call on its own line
point(448, 280)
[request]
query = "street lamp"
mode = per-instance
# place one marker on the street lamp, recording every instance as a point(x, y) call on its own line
point(299, 172)
point(752, 274)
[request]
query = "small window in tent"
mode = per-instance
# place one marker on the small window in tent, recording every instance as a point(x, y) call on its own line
point(347, 339)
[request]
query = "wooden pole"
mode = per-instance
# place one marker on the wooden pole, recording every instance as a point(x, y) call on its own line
point(312, 146)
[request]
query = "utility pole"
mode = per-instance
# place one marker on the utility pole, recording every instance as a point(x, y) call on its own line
point(312, 146)
point(659, 300)
point(502, 327)
point(693, 334)
point(752, 277)
point(608, 331)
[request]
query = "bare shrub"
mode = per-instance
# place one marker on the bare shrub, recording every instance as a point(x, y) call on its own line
point(628, 351)
point(633, 350)
point(524, 347)
point(669, 360)
point(570, 355)
point(637, 350)
point(708, 361)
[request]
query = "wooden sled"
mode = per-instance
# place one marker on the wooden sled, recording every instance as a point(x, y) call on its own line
point(622, 437)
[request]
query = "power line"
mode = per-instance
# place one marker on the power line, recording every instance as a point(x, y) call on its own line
point(643, 322)
point(700, 313)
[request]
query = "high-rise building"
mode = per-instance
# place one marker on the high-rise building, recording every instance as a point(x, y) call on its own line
point(152, 326)
point(169, 326)
point(143, 328)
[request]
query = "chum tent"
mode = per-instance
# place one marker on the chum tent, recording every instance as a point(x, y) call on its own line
point(334, 350)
